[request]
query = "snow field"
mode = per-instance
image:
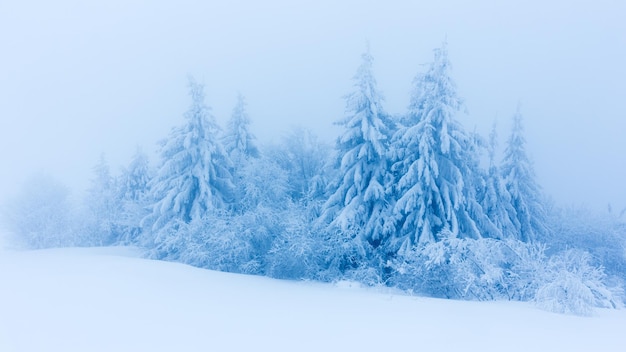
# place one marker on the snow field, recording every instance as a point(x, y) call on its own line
point(108, 299)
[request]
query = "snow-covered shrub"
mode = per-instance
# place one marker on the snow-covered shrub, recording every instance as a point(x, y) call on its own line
point(295, 251)
point(345, 256)
point(525, 264)
point(236, 243)
point(600, 234)
point(303, 157)
point(572, 285)
point(261, 183)
point(482, 269)
point(454, 268)
point(41, 216)
point(365, 274)
point(168, 242)
point(225, 245)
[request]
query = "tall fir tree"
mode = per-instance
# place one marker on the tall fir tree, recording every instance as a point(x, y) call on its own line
point(496, 200)
point(194, 177)
point(238, 140)
point(433, 157)
point(358, 203)
point(519, 178)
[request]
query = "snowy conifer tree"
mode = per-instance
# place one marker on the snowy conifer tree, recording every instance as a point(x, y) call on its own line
point(433, 157)
point(239, 144)
point(194, 177)
point(519, 177)
point(103, 208)
point(358, 203)
point(133, 195)
point(238, 141)
point(133, 183)
point(496, 200)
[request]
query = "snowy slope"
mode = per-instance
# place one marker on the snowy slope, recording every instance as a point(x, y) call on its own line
point(107, 299)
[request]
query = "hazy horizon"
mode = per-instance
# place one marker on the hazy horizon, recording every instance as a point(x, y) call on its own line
point(78, 80)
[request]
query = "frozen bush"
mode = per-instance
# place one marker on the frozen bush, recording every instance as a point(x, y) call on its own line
point(295, 251)
point(40, 216)
point(572, 285)
point(454, 268)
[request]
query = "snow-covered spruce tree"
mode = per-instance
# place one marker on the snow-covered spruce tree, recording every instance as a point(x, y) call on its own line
point(238, 140)
point(194, 177)
point(433, 156)
point(519, 178)
point(133, 193)
point(358, 204)
point(133, 183)
point(102, 207)
point(496, 200)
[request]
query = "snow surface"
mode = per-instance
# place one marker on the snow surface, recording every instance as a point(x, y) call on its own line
point(109, 299)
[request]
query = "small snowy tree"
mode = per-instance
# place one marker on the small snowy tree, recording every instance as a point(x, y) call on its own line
point(358, 204)
point(496, 200)
point(133, 183)
point(519, 178)
point(194, 177)
point(238, 140)
point(433, 157)
point(133, 195)
point(102, 207)
point(239, 144)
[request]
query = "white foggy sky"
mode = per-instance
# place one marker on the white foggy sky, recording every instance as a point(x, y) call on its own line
point(78, 78)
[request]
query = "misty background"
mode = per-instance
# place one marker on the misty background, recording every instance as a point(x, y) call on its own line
point(81, 79)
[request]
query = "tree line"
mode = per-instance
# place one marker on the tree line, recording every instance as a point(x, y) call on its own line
point(401, 201)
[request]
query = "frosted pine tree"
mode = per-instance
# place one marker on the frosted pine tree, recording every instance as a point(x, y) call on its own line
point(496, 200)
point(133, 195)
point(519, 178)
point(194, 177)
point(239, 144)
point(358, 203)
point(102, 206)
point(238, 140)
point(133, 183)
point(433, 157)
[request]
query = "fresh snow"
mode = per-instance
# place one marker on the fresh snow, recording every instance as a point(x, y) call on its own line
point(109, 299)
